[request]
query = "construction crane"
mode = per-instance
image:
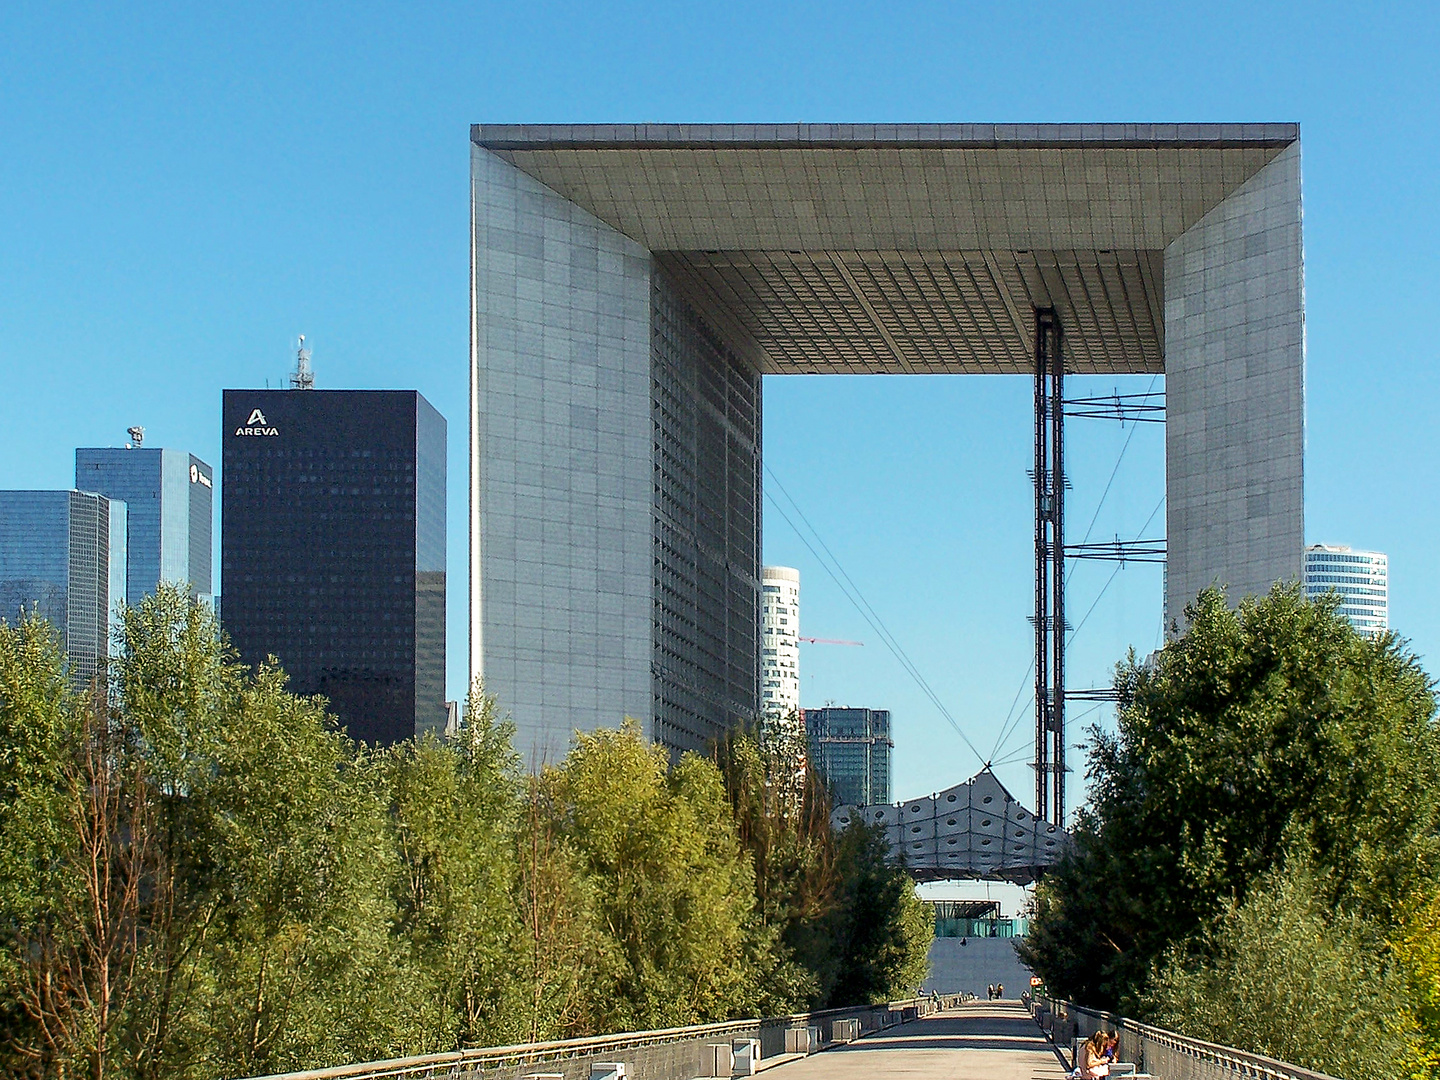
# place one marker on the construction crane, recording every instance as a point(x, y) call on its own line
point(828, 641)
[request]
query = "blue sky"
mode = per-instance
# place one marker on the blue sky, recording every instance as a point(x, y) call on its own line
point(185, 188)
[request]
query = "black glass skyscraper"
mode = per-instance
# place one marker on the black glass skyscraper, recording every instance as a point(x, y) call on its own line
point(333, 549)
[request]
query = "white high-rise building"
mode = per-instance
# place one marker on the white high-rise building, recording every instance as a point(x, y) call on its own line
point(1362, 578)
point(780, 642)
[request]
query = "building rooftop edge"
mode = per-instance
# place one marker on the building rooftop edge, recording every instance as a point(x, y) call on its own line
point(859, 136)
point(315, 390)
point(59, 491)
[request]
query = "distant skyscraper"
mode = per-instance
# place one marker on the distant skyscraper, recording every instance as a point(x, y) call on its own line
point(62, 556)
point(1362, 578)
point(851, 749)
point(780, 641)
point(333, 549)
point(170, 495)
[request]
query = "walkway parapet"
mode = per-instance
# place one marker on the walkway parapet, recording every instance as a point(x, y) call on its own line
point(1156, 1050)
point(682, 1053)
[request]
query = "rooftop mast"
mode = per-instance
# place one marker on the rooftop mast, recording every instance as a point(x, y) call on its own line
point(302, 378)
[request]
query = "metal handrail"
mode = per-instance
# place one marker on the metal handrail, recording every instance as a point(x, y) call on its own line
point(1239, 1062)
point(452, 1062)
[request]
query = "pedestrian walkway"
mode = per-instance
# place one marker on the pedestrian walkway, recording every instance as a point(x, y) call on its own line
point(981, 1041)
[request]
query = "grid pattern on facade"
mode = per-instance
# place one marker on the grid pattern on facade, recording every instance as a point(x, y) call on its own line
point(562, 503)
point(1359, 579)
point(134, 476)
point(87, 618)
point(200, 480)
point(431, 440)
point(56, 562)
point(853, 248)
point(897, 248)
point(780, 646)
point(902, 312)
point(953, 187)
point(321, 531)
point(705, 404)
point(35, 555)
point(974, 829)
point(119, 547)
point(1235, 391)
point(170, 511)
point(851, 749)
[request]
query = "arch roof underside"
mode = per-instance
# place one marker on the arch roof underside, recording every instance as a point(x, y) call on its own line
point(907, 248)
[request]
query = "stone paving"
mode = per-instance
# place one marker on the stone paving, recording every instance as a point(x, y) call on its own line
point(981, 1041)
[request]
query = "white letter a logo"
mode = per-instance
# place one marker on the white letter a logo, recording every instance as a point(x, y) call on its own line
point(256, 417)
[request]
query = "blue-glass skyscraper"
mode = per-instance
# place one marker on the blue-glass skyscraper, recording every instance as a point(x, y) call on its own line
point(62, 556)
point(170, 495)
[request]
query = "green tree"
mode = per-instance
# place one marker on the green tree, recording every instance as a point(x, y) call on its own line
point(303, 968)
point(567, 959)
point(1280, 974)
point(883, 930)
point(1266, 733)
point(1417, 950)
point(453, 812)
point(38, 714)
point(201, 875)
point(850, 927)
point(215, 891)
point(673, 891)
point(83, 957)
point(782, 819)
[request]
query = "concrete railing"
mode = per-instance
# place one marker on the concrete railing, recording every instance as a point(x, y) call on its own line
point(1161, 1053)
point(667, 1054)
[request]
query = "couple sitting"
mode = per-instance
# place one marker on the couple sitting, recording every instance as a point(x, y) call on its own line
point(1096, 1054)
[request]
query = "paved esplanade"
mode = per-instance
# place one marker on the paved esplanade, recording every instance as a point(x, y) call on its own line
point(988, 1041)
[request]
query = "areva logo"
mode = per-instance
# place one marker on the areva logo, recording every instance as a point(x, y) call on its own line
point(256, 425)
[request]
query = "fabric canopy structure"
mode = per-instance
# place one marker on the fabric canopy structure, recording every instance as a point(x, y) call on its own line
point(973, 830)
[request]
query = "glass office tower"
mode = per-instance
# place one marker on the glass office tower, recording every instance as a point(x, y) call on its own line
point(851, 748)
point(170, 495)
point(62, 556)
point(1361, 578)
point(333, 549)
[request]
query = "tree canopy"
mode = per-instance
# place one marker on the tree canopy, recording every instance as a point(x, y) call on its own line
point(1269, 752)
point(201, 875)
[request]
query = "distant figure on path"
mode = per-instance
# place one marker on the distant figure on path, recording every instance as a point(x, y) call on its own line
point(999, 991)
point(990, 992)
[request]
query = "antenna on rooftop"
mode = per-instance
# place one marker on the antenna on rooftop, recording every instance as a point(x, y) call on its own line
point(302, 378)
point(137, 436)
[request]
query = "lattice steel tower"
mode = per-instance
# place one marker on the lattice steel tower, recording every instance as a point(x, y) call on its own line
point(1049, 619)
